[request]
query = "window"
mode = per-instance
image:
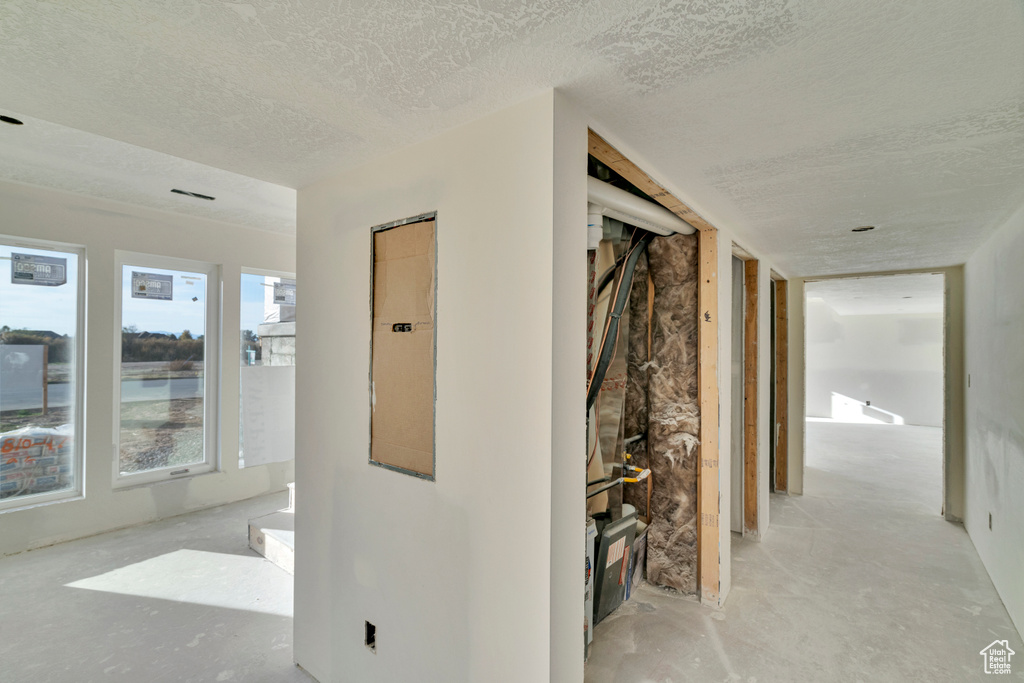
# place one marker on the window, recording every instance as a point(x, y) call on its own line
point(266, 426)
point(166, 384)
point(41, 323)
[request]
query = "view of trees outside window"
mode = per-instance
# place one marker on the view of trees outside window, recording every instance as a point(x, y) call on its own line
point(163, 349)
point(38, 350)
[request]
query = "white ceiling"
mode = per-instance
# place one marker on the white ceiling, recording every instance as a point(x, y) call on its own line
point(881, 295)
point(788, 121)
point(52, 155)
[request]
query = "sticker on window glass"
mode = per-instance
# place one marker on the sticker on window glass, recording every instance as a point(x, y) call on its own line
point(152, 286)
point(33, 269)
point(284, 293)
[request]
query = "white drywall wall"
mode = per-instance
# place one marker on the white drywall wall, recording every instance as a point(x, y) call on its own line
point(894, 361)
point(796, 434)
point(725, 397)
point(456, 574)
point(994, 332)
point(102, 226)
point(568, 390)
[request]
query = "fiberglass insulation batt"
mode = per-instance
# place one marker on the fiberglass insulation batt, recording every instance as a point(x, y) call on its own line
point(673, 412)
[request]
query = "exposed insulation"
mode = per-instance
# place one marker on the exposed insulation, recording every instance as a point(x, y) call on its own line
point(673, 424)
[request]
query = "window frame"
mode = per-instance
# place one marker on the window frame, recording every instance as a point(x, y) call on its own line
point(76, 492)
point(211, 369)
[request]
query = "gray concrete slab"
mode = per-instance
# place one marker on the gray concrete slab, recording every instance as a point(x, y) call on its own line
point(183, 599)
point(860, 579)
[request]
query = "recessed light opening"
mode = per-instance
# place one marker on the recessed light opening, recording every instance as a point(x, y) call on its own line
point(193, 194)
point(864, 228)
point(10, 120)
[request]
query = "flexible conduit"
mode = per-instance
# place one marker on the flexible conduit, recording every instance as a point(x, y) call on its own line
point(611, 327)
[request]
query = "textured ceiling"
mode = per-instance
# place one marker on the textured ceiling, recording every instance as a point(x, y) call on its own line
point(885, 294)
point(52, 155)
point(788, 122)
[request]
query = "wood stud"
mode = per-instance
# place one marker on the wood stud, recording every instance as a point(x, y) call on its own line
point(750, 283)
point(781, 430)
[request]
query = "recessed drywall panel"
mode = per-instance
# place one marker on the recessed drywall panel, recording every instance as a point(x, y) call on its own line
point(455, 574)
point(402, 348)
point(103, 226)
point(995, 410)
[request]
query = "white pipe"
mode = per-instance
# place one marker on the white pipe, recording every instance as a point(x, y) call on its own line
point(627, 207)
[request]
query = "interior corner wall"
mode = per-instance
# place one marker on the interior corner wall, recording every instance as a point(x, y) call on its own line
point(101, 226)
point(455, 574)
point(994, 316)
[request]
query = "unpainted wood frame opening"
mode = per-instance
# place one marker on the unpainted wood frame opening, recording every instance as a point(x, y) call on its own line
point(708, 498)
point(751, 270)
point(780, 428)
point(750, 303)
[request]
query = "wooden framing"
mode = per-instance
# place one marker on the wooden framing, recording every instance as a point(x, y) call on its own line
point(781, 427)
point(708, 484)
point(610, 157)
point(708, 479)
point(751, 270)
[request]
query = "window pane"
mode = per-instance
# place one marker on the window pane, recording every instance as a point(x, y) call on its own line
point(38, 338)
point(267, 374)
point(163, 340)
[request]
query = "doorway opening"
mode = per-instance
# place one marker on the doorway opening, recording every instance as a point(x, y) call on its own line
point(875, 378)
point(744, 510)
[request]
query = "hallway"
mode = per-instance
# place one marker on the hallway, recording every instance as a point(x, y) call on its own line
point(860, 579)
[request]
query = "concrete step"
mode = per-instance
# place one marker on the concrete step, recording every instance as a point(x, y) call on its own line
point(273, 537)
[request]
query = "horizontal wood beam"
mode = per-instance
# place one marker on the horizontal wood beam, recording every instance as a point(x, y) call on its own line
point(610, 157)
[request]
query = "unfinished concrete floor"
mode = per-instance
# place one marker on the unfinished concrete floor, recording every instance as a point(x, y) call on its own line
point(183, 599)
point(860, 579)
